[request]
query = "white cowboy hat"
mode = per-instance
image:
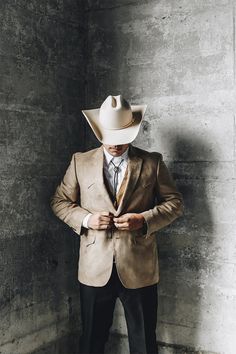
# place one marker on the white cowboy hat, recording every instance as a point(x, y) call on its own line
point(116, 122)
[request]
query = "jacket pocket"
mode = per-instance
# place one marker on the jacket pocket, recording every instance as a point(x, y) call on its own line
point(91, 242)
point(90, 239)
point(142, 239)
point(90, 185)
point(136, 235)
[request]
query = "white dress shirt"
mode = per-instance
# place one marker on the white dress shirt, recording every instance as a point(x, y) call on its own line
point(109, 168)
point(109, 172)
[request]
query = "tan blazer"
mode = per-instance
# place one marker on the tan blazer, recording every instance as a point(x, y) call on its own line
point(150, 190)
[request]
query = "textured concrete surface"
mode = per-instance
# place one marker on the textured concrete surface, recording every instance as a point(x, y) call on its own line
point(41, 92)
point(179, 58)
point(119, 344)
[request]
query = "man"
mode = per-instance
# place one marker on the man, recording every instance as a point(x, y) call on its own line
point(116, 197)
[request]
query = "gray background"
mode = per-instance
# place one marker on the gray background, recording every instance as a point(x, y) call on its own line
point(58, 57)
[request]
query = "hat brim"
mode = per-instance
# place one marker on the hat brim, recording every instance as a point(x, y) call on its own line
point(115, 136)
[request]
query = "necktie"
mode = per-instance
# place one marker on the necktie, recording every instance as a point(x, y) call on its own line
point(115, 180)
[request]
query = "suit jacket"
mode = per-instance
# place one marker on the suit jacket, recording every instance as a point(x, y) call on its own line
point(150, 190)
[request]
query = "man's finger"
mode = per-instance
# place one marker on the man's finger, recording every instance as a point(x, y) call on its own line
point(104, 227)
point(106, 213)
point(124, 228)
point(121, 224)
point(105, 218)
point(105, 222)
point(122, 218)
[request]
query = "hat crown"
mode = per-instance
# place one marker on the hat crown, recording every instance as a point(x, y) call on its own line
point(115, 113)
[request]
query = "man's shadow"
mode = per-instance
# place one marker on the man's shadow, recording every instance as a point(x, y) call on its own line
point(184, 245)
point(183, 250)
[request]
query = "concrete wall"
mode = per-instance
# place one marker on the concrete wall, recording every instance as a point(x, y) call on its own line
point(179, 58)
point(41, 94)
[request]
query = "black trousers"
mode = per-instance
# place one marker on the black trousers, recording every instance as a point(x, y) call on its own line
point(97, 307)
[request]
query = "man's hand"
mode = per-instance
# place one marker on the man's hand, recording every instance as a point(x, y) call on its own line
point(100, 221)
point(129, 221)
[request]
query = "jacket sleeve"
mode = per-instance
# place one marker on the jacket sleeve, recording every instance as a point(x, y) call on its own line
point(170, 204)
point(64, 201)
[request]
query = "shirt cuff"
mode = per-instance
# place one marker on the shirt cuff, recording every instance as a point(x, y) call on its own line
point(85, 221)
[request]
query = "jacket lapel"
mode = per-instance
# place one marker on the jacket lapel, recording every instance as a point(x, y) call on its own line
point(134, 169)
point(96, 166)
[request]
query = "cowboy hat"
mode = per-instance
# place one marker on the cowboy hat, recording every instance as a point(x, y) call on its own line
point(116, 122)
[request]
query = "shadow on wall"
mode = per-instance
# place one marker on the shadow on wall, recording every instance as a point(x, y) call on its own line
point(183, 251)
point(184, 246)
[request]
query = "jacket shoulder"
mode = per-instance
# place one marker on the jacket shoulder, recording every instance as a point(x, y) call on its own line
point(85, 155)
point(152, 155)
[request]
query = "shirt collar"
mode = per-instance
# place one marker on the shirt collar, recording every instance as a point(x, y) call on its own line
point(109, 157)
